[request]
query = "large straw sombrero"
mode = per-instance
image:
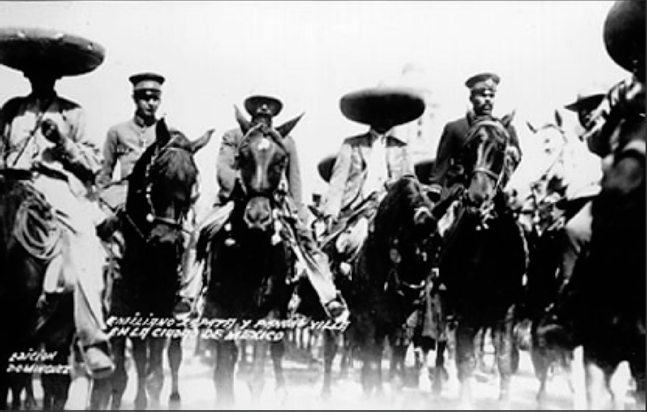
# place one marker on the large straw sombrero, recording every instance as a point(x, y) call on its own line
point(45, 50)
point(624, 34)
point(325, 167)
point(391, 106)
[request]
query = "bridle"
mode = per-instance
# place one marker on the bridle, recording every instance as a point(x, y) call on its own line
point(151, 215)
point(486, 209)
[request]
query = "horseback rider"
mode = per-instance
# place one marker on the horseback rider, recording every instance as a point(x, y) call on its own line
point(367, 164)
point(126, 142)
point(44, 134)
point(263, 109)
point(447, 173)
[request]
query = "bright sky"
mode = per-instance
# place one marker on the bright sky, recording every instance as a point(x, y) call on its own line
point(310, 53)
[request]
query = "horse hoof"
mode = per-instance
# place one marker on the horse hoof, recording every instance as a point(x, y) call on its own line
point(141, 403)
point(175, 397)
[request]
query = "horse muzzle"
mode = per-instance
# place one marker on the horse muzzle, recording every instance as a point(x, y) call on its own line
point(258, 214)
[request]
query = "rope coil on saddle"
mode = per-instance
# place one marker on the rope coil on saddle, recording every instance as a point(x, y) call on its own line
point(37, 231)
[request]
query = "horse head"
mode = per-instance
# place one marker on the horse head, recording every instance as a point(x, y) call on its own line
point(262, 159)
point(403, 229)
point(163, 187)
point(486, 158)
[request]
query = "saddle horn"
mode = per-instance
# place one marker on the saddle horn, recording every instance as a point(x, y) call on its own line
point(287, 127)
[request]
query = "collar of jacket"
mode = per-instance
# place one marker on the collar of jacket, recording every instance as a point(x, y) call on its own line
point(139, 121)
point(372, 135)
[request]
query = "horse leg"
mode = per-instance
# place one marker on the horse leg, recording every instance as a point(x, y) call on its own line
point(175, 359)
point(277, 351)
point(155, 373)
point(119, 378)
point(372, 368)
point(440, 373)
point(330, 350)
point(226, 355)
point(140, 356)
point(598, 395)
point(505, 357)
point(540, 363)
point(465, 362)
point(30, 399)
point(256, 380)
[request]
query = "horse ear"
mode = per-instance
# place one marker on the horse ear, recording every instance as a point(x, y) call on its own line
point(531, 127)
point(244, 124)
point(507, 119)
point(287, 127)
point(202, 141)
point(162, 133)
point(558, 119)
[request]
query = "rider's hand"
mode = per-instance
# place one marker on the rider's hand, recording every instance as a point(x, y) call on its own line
point(52, 133)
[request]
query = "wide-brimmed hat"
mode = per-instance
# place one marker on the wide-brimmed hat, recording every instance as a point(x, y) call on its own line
point(252, 103)
point(390, 106)
point(325, 167)
point(624, 34)
point(43, 50)
point(588, 97)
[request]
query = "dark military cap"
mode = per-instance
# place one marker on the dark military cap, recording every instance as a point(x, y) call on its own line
point(483, 81)
point(147, 81)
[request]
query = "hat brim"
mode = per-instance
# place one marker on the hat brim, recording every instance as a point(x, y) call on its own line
point(253, 102)
point(325, 167)
point(587, 102)
point(390, 106)
point(32, 49)
point(423, 170)
point(624, 34)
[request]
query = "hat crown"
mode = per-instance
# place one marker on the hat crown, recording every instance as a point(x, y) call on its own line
point(255, 101)
point(147, 81)
point(483, 80)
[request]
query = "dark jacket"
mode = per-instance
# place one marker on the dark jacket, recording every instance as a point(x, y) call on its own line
point(447, 170)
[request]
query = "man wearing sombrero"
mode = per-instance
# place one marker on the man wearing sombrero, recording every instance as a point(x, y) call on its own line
point(368, 163)
point(447, 171)
point(263, 109)
point(44, 132)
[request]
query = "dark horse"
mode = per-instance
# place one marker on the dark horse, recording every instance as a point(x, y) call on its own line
point(26, 223)
point(160, 194)
point(250, 262)
point(389, 274)
point(483, 257)
point(604, 303)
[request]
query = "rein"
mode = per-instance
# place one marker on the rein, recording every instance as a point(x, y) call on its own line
point(151, 216)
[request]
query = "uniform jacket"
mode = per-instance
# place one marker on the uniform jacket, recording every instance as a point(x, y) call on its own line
point(446, 168)
point(350, 171)
point(125, 142)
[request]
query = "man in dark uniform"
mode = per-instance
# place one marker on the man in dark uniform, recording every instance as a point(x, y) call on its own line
point(447, 171)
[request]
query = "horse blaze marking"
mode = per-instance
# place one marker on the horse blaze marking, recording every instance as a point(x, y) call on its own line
point(263, 144)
